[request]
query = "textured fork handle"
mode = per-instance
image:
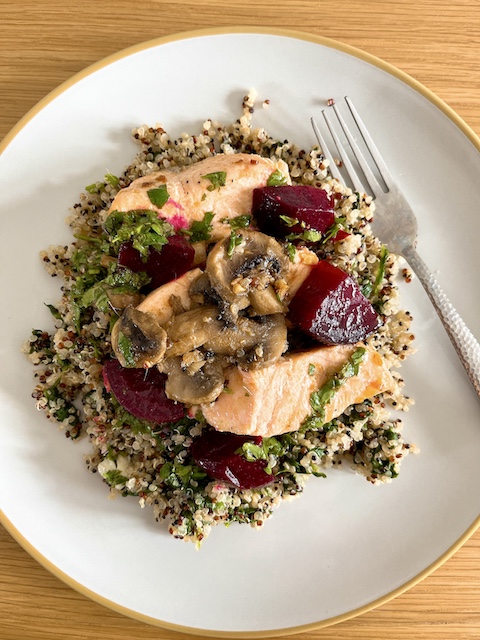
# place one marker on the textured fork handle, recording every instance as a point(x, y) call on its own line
point(466, 346)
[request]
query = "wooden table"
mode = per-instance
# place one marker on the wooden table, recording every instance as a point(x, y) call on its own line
point(43, 43)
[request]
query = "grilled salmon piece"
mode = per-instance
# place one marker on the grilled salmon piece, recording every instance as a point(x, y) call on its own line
point(276, 399)
point(162, 302)
point(222, 184)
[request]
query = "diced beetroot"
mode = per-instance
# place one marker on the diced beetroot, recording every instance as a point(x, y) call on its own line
point(141, 392)
point(214, 452)
point(330, 307)
point(340, 235)
point(171, 262)
point(312, 207)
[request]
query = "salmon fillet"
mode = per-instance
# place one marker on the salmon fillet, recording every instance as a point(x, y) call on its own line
point(190, 194)
point(276, 399)
point(161, 302)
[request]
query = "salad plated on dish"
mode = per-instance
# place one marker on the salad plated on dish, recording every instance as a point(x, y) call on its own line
point(228, 326)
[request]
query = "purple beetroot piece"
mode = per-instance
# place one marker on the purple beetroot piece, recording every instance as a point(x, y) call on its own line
point(141, 392)
point(312, 207)
point(330, 307)
point(170, 263)
point(214, 452)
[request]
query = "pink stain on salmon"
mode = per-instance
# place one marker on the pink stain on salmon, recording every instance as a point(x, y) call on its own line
point(178, 221)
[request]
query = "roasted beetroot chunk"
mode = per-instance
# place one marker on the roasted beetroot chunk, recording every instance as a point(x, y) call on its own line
point(170, 263)
point(141, 392)
point(214, 452)
point(330, 307)
point(311, 207)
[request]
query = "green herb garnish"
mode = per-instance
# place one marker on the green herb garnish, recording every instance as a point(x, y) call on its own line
point(234, 241)
point(114, 477)
point(158, 196)
point(112, 180)
point(217, 179)
point(290, 222)
point(143, 228)
point(276, 179)
point(319, 399)
point(309, 235)
point(96, 187)
point(338, 225)
point(269, 447)
point(381, 270)
point(291, 251)
point(239, 222)
point(200, 230)
point(125, 347)
point(54, 311)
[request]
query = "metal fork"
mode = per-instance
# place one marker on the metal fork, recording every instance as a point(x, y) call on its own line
point(396, 226)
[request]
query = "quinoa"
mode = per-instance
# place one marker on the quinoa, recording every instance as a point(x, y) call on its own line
point(152, 462)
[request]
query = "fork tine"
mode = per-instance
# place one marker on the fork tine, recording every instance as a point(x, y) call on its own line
point(379, 161)
point(369, 175)
point(326, 152)
point(357, 184)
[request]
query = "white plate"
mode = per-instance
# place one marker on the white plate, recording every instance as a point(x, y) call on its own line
point(344, 546)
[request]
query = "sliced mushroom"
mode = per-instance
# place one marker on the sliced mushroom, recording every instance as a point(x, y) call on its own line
point(192, 329)
point(271, 341)
point(202, 292)
point(265, 301)
point(257, 262)
point(138, 340)
point(250, 341)
point(204, 386)
point(120, 301)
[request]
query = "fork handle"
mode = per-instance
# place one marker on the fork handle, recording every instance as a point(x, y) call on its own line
point(465, 343)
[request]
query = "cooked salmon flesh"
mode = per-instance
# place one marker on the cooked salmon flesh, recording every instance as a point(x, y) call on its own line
point(276, 399)
point(222, 184)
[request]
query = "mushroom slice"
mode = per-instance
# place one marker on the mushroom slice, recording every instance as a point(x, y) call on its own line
point(138, 340)
point(204, 386)
point(271, 341)
point(192, 329)
point(120, 301)
point(250, 341)
point(256, 262)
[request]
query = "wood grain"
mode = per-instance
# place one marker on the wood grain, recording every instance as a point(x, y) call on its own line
point(45, 42)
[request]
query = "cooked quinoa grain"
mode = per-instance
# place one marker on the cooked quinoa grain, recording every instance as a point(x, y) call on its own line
point(152, 462)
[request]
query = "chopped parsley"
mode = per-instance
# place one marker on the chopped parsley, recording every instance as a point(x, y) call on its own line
point(381, 270)
point(112, 180)
point(290, 222)
point(177, 475)
point(119, 281)
point(239, 222)
point(269, 447)
point(143, 228)
point(114, 477)
point(158, 196)
point(125, 346)
point(234, 241)
point(200, 230)
point(337, 226)
point(276, 179)
point(319, 399)
point(217, 179)
point(54, 311)
point(309, 235)
point(291, 251)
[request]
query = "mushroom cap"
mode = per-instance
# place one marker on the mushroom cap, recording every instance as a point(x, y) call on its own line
point(239, 275)
point(249, 341)
point(204, 386)
point(138, 340)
